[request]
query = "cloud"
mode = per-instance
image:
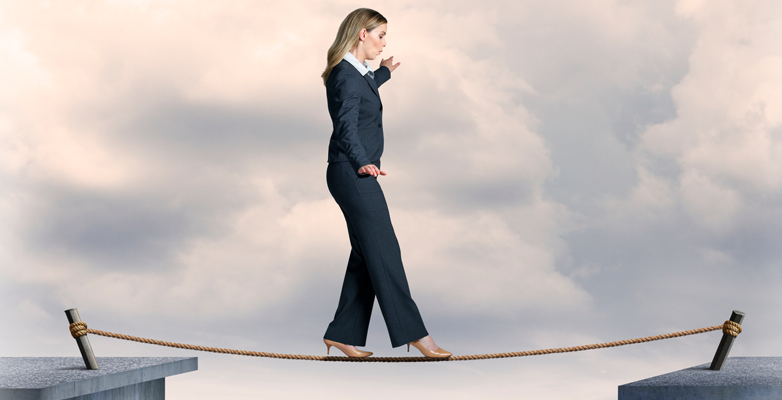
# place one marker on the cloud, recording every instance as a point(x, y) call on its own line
point(479, 264)
point(725, 138)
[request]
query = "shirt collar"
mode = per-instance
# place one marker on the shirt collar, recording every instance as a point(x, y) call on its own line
point(362, 68)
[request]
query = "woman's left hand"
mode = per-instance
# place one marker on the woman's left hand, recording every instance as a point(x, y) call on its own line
point(370, 169)
point(389, 63)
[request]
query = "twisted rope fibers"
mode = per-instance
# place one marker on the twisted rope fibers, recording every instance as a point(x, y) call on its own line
point(728, 327)
point(731, 328)
point(78, 328)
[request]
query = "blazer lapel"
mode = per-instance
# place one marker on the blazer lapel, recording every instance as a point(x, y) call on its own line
point(372, 84)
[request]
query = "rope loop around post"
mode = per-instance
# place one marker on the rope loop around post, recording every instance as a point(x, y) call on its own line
point(78, 328)
point(731, 328)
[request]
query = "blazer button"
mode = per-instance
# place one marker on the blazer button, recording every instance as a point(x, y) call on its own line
point(379, 125)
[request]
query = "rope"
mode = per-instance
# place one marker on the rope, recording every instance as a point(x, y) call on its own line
point(78, 328)
point(727, 326)
point(731, 328)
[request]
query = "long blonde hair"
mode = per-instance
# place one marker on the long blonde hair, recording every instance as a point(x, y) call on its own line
point(347, 36)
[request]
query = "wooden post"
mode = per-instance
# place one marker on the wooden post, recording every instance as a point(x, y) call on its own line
point(725, 344)
point(82, 341)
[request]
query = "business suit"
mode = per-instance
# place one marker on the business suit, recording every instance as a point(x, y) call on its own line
point(375, 263)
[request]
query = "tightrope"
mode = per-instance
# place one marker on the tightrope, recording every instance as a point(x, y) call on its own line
point(729, 327)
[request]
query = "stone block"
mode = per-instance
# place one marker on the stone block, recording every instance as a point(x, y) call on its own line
point(66, 378)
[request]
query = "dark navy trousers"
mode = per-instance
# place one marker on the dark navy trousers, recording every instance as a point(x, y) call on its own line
point(375, 264)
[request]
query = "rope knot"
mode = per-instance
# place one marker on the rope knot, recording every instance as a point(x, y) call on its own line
point(731, 328)
point(78, 329)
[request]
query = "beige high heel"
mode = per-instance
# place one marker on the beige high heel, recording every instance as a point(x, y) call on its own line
point(439, 353)
point(348, 352)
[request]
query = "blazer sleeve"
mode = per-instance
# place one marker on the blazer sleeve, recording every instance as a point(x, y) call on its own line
point(347, 99)
point(382, 75)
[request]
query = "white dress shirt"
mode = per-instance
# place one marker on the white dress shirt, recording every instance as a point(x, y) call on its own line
point(362, 68)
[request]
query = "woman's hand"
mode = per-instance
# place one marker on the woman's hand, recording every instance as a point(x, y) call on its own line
point(370, 169)
point(389, 64)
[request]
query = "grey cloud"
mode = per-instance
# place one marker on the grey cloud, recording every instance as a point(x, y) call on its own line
point(197, 132)
point(596, 90)
point(139, 230)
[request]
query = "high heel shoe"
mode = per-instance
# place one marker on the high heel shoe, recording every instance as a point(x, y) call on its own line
point(348, 352)
point(439, 353)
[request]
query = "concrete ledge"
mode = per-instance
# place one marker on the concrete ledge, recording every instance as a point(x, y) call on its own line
point(60, 378)
point(757, 378)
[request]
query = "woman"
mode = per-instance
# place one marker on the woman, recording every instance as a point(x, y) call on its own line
point(375, 263)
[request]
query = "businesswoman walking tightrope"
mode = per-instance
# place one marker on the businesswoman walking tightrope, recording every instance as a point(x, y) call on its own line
point(375, 264)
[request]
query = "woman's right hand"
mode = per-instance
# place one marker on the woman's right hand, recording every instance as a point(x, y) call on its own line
point(370, 169)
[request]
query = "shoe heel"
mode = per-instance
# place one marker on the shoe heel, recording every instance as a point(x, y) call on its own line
point(439, 353)
point(344, 348)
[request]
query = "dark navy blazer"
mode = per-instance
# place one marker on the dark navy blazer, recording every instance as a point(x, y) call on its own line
point(356, 115)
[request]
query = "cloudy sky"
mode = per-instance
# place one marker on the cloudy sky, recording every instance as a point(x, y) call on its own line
point(559, 173)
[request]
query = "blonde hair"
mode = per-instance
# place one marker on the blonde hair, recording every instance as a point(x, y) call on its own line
point(347, 36)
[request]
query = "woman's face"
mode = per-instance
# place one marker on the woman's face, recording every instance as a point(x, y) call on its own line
point(375, 41)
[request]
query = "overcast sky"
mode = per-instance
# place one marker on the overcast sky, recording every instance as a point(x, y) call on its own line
point(559, 173)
